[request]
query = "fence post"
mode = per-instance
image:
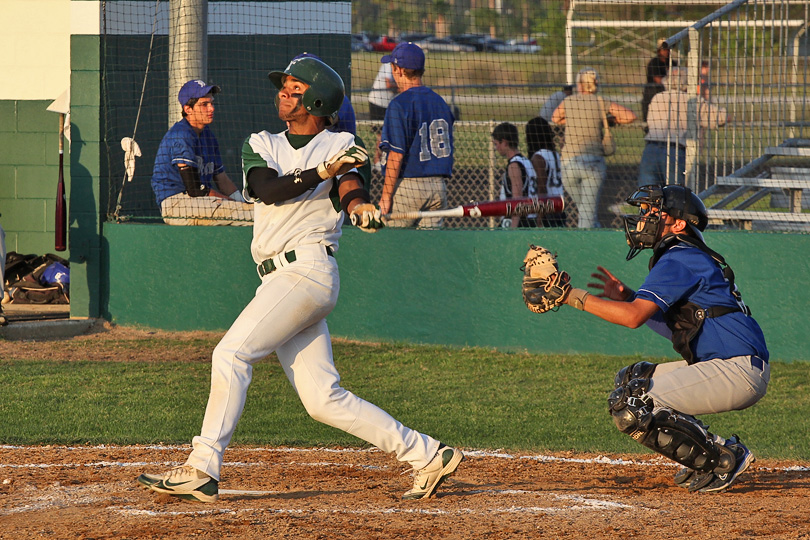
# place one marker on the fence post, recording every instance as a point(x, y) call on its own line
point(188, 48)
point(492, 159)
point(692, 126)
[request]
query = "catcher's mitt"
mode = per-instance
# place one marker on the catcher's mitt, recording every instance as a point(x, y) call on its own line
point(545, 287)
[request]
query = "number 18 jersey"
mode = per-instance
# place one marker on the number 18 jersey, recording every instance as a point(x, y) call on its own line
point(419, 124)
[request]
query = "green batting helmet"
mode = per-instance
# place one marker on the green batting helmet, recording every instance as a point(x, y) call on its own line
point(325, 93)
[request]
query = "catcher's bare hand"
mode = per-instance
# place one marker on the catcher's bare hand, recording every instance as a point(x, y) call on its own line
point(545, 287)
point(366, 217)
point(342, 162)
point(610, 285)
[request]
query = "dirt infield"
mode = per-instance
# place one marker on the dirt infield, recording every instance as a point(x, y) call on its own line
point(90, 493)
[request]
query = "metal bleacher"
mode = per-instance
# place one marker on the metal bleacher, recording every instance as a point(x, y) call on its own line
point(777, 181)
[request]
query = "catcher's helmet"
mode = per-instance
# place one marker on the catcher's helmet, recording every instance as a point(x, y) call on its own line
point(325, 93)
point(678, 201)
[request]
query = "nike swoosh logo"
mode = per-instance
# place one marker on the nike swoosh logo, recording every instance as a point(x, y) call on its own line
point(425, 485)
point(173, 484)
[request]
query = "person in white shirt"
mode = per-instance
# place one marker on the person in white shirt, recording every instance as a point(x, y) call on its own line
point(383, 90)
point(546, 162)
point(663, 161)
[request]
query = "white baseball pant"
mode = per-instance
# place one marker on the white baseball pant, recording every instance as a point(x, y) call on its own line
point(287, 315)
point(181, 209)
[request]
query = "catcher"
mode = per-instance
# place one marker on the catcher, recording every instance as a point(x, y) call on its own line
point(689, 297)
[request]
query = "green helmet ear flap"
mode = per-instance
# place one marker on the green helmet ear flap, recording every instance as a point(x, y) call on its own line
point(325, 93)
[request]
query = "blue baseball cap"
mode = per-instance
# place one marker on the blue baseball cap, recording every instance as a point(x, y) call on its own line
point(196, 89)
point(406, 55)
point(306, 55)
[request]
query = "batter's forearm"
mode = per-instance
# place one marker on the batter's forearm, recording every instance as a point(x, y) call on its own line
point(352, 192)
point(270, 188)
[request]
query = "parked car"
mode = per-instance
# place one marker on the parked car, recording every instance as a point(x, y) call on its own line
point(492, 44)
point(413, 38)
point(361, 42)
point(497, 45)
point(384, 44)
point(443, 45)
point(477, 41)
point(519, 46)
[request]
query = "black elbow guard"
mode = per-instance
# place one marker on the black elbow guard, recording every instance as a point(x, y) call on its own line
point(191, 180)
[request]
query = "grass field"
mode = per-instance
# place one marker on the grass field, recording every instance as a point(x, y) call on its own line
point(152, 388)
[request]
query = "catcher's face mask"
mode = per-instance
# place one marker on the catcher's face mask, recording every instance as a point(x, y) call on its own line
point(641, 230)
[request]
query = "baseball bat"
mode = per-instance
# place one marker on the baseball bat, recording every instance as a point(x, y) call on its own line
point(60, 243)
point(520, 206)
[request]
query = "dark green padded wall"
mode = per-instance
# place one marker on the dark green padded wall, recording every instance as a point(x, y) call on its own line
point(458, 288)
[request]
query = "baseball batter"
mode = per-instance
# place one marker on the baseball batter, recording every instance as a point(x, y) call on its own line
point(303, 181)
point(690, 298)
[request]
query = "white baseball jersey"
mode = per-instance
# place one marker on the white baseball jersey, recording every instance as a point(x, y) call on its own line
point(554, 185)
point(312, 218)
point(528, 177)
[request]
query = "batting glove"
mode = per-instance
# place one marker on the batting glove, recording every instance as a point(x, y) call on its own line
point(342, 162)
point(366, 217)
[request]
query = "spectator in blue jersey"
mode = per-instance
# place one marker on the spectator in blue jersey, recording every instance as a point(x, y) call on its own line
point(690, 298)
point(347, 119)
point(189, 179)
point(417, 137)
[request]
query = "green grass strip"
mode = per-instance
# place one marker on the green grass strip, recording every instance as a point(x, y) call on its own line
point(473, 398)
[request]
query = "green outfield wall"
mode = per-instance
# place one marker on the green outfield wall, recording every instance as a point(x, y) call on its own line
point(459, 288)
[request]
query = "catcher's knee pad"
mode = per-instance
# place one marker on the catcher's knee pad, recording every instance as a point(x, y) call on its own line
point(639, 370)
point(631, 407)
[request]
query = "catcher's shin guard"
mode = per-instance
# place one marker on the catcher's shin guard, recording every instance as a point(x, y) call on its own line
point(639, 370)
point(679, 437)
point(683, 439)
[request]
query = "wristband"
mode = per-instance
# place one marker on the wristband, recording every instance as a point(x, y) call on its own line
point(322, 171)
point(577, 297)
point(352, 195)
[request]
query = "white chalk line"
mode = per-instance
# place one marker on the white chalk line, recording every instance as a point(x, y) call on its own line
point(599, 460)
point(58, 496)
point(580, 503)
point(141, 464)
point(470, 453)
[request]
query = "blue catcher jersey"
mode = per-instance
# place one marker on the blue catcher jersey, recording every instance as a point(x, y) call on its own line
point(181, 144)
point(686, 272)
point(419, 124)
